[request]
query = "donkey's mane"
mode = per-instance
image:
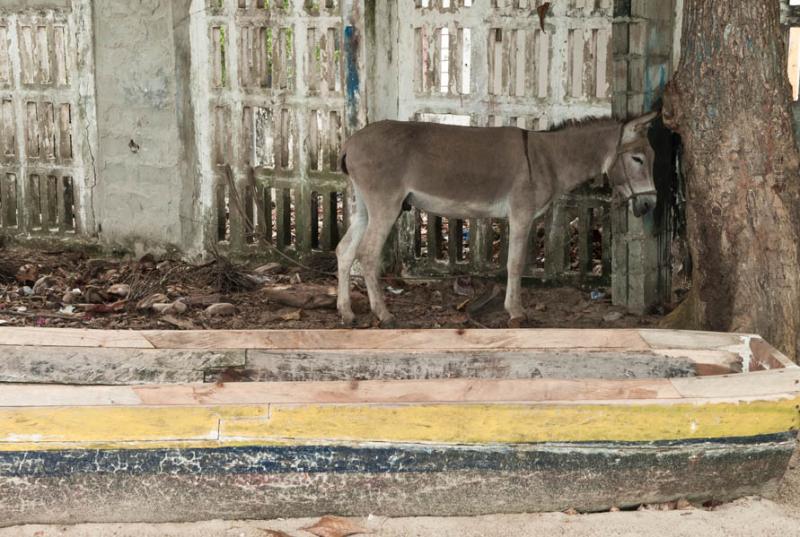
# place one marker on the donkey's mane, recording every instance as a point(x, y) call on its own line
point(582, 122)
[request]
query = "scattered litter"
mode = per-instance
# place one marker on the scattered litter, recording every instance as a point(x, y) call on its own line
point(292, 316)
point(184, 324)
point(42, 285)
point(270, 268)
point(113, 307)
point(222, 309)
point(488, 300)
point(259, 279)
point(334, 526)
point(305, 296)
point(463, 287)
point(69, 289)
point(171, 308)
point(120, 289)
point(28, 273)
point(148, 302)
point(204, 300)
point(93, 295)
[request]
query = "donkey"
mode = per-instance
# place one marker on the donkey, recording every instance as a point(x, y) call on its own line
point(494, 172)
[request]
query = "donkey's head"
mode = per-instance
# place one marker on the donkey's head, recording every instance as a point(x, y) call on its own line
point(631, 171)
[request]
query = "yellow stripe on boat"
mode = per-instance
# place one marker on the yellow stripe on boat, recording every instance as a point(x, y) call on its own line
point(148, 427)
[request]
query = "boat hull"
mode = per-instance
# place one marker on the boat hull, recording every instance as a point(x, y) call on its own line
point(251, 482)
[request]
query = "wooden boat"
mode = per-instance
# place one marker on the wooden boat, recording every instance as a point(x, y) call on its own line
point(179, 426)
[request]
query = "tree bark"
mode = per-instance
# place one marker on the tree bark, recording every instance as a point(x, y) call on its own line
point(730, 101)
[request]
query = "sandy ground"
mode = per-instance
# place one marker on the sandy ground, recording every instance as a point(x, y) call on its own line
point(748, 517)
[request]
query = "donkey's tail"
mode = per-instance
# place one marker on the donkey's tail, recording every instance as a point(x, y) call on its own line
point(343, 163)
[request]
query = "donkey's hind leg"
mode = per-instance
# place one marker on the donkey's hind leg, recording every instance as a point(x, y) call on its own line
point(381, 219)
point(345, 255)
point(519, 233)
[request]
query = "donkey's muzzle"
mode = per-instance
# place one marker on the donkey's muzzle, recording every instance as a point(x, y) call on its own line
point(644, 203)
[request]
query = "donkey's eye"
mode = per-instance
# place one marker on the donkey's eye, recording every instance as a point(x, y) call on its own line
point(638, 160)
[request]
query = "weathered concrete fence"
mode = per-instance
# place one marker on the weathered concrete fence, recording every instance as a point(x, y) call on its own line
point(120, 120)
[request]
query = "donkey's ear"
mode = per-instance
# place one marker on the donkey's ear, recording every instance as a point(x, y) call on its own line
point(637, 128)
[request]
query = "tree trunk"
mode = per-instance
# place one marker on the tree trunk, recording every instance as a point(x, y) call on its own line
point(730, 102)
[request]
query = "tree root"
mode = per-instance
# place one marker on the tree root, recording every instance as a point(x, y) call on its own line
point(686, 316)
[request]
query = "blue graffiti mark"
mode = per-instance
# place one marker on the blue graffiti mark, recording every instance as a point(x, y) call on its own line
point(651, 94)
point(648, 90)
point(352, 77)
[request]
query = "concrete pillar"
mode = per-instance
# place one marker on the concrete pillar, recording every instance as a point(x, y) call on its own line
point(643, 62)
point(145, 179)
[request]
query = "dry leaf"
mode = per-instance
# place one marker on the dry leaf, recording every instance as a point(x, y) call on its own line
point(114, 307)
point(334, 526)
point(270, 268)
point(28, 273)
point(291, 316)
point(221, 309)
point(274, 533)
point(305, 296)
point(148, 302)
point(119, 289)
point(173, 308)
point(184, 324)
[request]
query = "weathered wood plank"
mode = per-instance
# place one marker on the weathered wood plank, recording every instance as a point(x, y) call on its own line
point(767, 385)
point(684, 339)
point(340, 392)
point(376, 391)
point(295, 366)
point(73, 337)
point(776, 382)
point(86, 365)
point(628, 340)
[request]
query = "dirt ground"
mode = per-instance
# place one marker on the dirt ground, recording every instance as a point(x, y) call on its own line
point(73, 289)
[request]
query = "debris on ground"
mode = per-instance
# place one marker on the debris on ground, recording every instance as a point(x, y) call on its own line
point(73, 289)
point(334, 526)
point(221, 309)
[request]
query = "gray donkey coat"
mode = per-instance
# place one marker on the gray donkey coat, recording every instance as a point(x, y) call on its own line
point(498, 172)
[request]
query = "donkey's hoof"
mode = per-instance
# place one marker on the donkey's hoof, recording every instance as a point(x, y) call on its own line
point(388, 322)
point(348, 320)
point(516, 322)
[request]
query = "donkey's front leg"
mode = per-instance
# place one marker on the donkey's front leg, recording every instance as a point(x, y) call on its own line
point(519, 232)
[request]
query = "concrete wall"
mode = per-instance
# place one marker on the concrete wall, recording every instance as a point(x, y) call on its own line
point(142, 167)
point(155, 181)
